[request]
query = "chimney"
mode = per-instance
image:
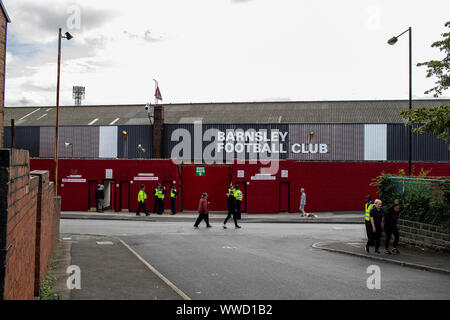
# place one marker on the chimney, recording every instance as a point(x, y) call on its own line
point(158, 126)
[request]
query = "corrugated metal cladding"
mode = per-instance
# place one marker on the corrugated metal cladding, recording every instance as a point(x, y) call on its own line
point(204, 142)
point(85, 141)
point(24, 138)
point(127, 145)
point(425, 147)
point(326, 141)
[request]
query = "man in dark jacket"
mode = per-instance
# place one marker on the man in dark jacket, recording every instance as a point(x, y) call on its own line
point(377, 221)
point(231, 205)
point(390, 227)
point(100, 198)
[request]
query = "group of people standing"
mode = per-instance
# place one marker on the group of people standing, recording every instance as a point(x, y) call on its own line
point(377, 219)
point(159, 195)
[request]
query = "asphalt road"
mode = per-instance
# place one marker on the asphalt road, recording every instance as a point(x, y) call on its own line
point(263, 261)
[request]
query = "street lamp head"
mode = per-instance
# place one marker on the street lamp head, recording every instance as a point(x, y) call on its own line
point(68, 144)
point(392, 41)
point(68, 36)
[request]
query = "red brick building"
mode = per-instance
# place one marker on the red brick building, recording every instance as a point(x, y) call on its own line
point(4, 20)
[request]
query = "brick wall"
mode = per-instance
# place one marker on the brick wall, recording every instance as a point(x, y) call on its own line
point(47, 226)
point(3, 33)
point(422, 235)
point(29, 222)
point(21, 192)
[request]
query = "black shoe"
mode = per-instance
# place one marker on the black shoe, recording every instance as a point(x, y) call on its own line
point(172, 214)
point(159, 214)
point(378, 252)
point(387, 252)
point(238, 227)
point(367, 249)
point(224, 226)
point(195, 226)
point(209, 226)
point(395, 251)
point(147, 214)
point(138, 214)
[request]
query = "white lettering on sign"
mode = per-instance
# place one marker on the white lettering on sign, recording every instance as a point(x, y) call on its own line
point(145, 178)
point(74, 176)
point(73, 180)
point(309, 148)
point(145, 174)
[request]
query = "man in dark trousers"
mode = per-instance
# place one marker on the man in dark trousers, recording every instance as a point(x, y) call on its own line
point(377, 221)
point(156, 199)
point(367, 207)
point(142, 196)
point(238, 196)
point(161, 193)
point(203, 211)
point(173, 198)
point(231, 205)
point(100, 198)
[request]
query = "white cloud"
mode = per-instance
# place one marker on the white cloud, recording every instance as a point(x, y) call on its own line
point(222, 50)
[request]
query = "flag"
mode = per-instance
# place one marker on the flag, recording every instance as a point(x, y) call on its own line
point(158, 93)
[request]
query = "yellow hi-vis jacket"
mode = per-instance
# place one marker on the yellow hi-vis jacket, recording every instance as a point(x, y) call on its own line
point(368, 206)
point(160, 194)
point(238, 195)
point(173, 193)
point(142, 196)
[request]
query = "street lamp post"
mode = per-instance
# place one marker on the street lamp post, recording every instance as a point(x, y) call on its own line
point(67, 36)
point(393, 41)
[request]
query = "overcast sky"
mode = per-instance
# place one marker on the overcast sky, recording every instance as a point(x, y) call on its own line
point(219, 50)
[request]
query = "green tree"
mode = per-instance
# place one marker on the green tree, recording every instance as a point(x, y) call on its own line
point(434, 120)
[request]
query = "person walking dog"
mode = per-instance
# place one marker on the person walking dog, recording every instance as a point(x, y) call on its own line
point(203, 211)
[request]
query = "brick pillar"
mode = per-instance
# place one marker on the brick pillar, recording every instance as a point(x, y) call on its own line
point(158, 126)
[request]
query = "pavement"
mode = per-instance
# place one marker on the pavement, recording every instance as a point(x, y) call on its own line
point(113, 270)
point(343, 217)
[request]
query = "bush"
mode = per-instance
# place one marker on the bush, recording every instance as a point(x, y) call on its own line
point(422, 202)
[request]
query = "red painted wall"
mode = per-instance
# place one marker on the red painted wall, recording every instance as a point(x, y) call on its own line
point(330, 186)
point(75, 195)
point(215, 183)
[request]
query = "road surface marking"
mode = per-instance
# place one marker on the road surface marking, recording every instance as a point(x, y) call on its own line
point(148, 265)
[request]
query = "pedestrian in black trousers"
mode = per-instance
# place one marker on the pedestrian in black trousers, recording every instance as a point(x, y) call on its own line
point(231, 205)
point(367, 207)
point(377, 220)
point(203, 211)
point(390, 227)
point(156, 199)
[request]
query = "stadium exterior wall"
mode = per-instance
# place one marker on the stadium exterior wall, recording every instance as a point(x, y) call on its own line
point(330, 186)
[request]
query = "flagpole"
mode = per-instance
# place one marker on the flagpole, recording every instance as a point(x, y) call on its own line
point(156, 87)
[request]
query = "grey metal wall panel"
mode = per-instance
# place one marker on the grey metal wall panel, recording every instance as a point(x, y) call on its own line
point(342, 141)
point(127, 146)
point(375, 142)
point(108, 142)
point(425, 147)
point(85, 142)
point(26, 138)
point(201, 142)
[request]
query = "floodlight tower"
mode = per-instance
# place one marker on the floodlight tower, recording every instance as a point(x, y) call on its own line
point(78, 94)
